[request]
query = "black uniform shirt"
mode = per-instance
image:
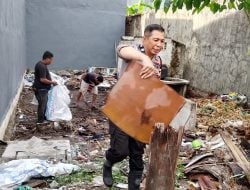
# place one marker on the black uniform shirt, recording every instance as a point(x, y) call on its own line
point(41, 71)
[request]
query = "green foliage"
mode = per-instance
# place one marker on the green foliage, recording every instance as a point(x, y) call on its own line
point(119, 177)
point(157, 4)
point(179, 170)
point(74, 177)
point(138, 8)
point(188, 4)
point(179, 173)
point(167, 5)
point(214, 7)
point(195, 5)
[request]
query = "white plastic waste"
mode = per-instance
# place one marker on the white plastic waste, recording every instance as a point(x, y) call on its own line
point(16, 172)
point(28, 79)
point(58, 101)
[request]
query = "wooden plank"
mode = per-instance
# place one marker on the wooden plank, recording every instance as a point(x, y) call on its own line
point(237, 154)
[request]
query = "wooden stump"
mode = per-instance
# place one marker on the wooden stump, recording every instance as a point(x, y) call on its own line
point(164, 150)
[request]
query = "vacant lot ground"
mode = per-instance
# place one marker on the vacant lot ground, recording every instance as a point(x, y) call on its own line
point(88, 134)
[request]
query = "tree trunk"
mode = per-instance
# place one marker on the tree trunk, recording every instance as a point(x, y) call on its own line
point(164, 150)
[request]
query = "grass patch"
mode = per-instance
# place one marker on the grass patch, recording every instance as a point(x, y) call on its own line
point(179, 173)
point(82, 175)
point(119, 177)
point(87, 175)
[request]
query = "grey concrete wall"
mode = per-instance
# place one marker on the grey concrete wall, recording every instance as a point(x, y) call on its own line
point(216, 47)
point(80, 33)
point(12, 51)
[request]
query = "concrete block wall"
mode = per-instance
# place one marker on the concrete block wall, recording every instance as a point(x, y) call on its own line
point(12, 55)
point(216, 47)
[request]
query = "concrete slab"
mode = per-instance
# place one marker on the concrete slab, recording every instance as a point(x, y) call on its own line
point(37, 148)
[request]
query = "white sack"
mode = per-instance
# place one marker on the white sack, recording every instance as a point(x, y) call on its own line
point(58, 101)
point(58, 104)
point(16, 172)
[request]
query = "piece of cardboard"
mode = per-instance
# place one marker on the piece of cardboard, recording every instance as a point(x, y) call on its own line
point(136, 104)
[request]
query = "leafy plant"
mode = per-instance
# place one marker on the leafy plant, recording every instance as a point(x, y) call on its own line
point(179, 173)
point(195, 5)
point(138, 8)
point(179, 170)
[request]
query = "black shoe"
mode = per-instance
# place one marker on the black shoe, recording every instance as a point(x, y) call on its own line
point(134, 180)
point(107, 174)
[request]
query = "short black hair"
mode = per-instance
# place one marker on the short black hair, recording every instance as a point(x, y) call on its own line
point(151, 27)
point(47, 54)
point(100, 78)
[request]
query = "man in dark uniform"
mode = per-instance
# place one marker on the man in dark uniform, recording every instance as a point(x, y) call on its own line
point(122, 145)
point(42, 85)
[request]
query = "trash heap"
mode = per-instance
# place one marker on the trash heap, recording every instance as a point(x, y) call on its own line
point(218, 113)
point(215, 154)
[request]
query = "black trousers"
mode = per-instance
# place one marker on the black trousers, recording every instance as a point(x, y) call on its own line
point(121, 146)
point(42, 98)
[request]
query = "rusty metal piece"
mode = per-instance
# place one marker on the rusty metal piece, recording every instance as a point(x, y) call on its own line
point(136, 104)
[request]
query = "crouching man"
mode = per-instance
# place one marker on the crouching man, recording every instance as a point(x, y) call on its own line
point(89, 84)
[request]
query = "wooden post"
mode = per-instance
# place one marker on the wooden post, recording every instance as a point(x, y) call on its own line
point(164, 150)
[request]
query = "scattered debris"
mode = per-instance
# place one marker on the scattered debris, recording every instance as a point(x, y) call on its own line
point(238, 155)
point(197, 158)
point(210, 165)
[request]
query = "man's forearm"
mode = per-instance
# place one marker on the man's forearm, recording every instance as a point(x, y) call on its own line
point(46, 81)
point(129, 53)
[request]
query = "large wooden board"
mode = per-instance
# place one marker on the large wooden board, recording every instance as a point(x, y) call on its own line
point(136, 104)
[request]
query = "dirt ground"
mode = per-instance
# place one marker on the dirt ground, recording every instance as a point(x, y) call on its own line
point(94, 135)
point(88, 130)
point(26, 127)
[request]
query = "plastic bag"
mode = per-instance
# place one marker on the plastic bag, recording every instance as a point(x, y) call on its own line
point(57, 106)
point(17, 171)
point(58, 101)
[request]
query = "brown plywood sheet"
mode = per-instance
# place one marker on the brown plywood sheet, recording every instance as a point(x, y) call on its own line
point(136, 104)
